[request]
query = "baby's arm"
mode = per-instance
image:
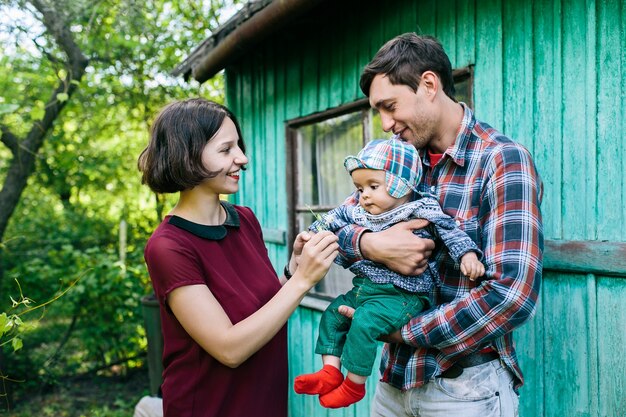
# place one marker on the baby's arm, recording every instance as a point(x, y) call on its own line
point(471, 267)
point(457, 241)
point(335, 220)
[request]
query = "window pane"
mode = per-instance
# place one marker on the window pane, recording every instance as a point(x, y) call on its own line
point(463, 91)
point(322, 148)
point(376, 126)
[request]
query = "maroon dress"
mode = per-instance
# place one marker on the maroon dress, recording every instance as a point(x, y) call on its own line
point(232, 261)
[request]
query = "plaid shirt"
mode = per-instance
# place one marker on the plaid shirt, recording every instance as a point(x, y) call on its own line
point(490, 185)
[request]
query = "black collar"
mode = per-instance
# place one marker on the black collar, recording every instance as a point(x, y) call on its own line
point(209, 232)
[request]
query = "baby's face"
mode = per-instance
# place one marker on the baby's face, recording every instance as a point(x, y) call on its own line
point(373, 195)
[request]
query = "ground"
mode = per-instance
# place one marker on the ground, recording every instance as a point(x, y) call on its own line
point(97, 396)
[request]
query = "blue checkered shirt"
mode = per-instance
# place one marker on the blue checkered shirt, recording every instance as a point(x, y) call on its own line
point(457, 243)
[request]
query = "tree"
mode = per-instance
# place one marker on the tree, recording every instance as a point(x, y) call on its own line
point(80, 81)
point(129, 46)
point(24, 150)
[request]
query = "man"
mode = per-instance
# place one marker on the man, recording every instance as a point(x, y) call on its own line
point(458, 357)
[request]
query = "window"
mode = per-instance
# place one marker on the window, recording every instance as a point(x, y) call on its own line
point(317, 179)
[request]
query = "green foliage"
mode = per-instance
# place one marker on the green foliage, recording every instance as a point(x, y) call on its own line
point(66, 228)
point(11, 325)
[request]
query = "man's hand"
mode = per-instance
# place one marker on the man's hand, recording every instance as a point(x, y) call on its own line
point(398, 248)
point(395, 337)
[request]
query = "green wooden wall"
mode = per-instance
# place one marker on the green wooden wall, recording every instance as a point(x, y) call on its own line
point(550, 74)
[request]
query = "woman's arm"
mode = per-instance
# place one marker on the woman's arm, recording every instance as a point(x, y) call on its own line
point(202, 316)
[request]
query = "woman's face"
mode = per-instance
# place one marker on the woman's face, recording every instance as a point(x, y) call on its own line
point(223, 155)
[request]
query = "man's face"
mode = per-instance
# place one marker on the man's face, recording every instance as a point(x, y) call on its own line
point(404, 112)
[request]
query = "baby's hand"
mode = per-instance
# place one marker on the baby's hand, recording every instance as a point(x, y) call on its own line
point(471, 267)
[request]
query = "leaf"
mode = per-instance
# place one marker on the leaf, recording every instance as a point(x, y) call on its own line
point(4, 320)
point(62, 97)
point(17, 344)
point(8, 108)
point(37, 113)
point(320, 218)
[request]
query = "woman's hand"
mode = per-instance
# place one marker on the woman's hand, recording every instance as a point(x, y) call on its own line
point(313, 256)
point(398, 248)
point(298, 245)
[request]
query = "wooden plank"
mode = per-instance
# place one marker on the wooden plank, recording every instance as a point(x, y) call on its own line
point(408, 9)
point(592, 343)
point(293, 79)
point(577, 199)
point(310, 75)
point(259, 183)
point(312, 362)
point(296, 341)
point(529, 340)
point(567, 355)
point(425, 17)
point(377, 35)
point(591, 111)
point(276, 236)
point(489, 65)
point(518, 75)
point(273, 171)
point(246, 119)
point(465, 33)
point(445, 21)
point(281, 141)
point(363, 29)
point(611, 339)
point(609, 122)
point(604, 258)
point(622, 119)
point(325, 70)
point(548, 147)
point(351, 70)
point(337, 64)
point(390, 17)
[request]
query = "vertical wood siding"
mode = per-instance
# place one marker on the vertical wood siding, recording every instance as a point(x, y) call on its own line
point(550, 74)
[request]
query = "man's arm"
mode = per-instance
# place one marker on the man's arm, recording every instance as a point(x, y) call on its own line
point(512, 240)
point(396, 247)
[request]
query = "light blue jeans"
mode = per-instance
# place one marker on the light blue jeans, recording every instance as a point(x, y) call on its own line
point(480, 391)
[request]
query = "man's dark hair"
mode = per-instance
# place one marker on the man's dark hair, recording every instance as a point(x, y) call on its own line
point(172, 161)
point(405, 58)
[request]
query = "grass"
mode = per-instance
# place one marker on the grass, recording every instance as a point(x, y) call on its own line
point(97, 396)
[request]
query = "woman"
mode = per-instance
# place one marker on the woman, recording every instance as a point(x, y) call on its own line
point(223, 309)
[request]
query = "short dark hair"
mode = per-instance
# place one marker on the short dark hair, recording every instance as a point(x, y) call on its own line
point(405, 58)
point(172, 161)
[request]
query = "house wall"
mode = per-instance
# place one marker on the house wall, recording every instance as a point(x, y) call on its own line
point(551, 75)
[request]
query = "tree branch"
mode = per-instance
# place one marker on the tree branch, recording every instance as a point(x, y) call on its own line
point(25, 152)
point(8, 138)
point(57, 26)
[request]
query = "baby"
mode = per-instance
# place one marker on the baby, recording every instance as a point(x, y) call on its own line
point(386, 174)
